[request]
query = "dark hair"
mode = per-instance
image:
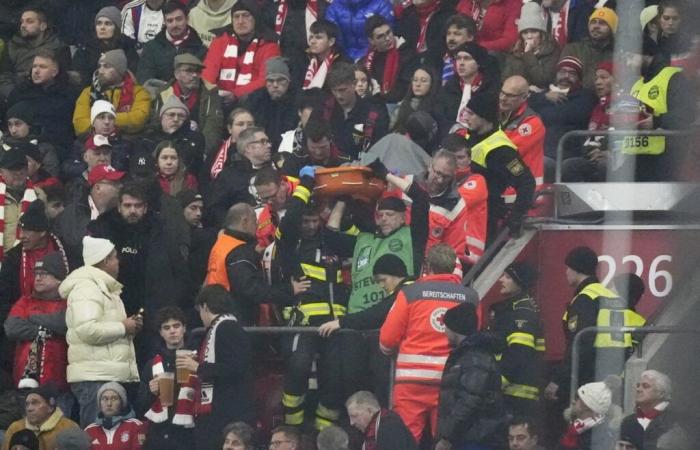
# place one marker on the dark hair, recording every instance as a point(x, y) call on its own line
point(55, 193)
point(532, 426)
point(133, 190)
point(630, 286)
point(316, 130)
point(455, 143)
point(267, 175)
point(309, 98)
point(426, 103)
point(216, 297)
point(46, 53)
point(170, 313)
point(677, 4)
point(373, 22)
point(326, 27)
point(341, 72)
point(290, 432)
point(39, 11)
point(172, 6)
point(462, 22)
point(241, 429)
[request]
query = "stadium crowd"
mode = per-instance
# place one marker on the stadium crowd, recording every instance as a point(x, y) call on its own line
point(168, 179)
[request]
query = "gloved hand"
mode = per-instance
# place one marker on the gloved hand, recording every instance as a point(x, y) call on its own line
point(515, 226)
point(307, 171)
point(378, 169)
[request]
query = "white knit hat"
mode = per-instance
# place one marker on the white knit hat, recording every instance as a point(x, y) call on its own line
point(648, 14)
point(598, 396)
point(96, 250)
point(531, 18)
point(99, 107)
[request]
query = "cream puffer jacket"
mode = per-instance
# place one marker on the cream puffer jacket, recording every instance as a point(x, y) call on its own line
point(98, 348)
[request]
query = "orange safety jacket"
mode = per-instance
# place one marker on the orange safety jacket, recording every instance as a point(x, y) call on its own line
point(216, 268)
point(526, 130)
point(268, 220)
point(416, 326)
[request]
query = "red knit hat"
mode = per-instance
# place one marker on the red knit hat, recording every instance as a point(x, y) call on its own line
point(606, 66)
point(571, 63)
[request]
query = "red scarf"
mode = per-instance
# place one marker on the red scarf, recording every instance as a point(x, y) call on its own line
point(476, 82)
point(190, 100)
point(600, 119)
point(237, 71)
point(311, 15)
point(178, 42)
point(207, 354)
point(221, 158)
point(391, 67)
point(651, 413)
point(425, 13)
point(29, 259)
point(126, 98)
point(316, 73)
point(184, 408)
point(28, 197)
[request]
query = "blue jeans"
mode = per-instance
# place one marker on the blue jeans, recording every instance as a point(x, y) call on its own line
point(86, 394)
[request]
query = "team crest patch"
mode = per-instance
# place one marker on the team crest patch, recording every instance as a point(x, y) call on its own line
point(124, 437)
point(572, 324)
point(395, 245)
point(436, 232)
point(515, 167)
point(437, 319)
point(654, 92)
point(525, 129)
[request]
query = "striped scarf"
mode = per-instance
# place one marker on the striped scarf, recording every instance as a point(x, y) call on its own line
point(236, 71)
point(28, 197)
point(316, 73)
point(207, 353)
point(221, 158)
point(448, 68)
point(310, 15)
point(391, 68)
point(184, 409)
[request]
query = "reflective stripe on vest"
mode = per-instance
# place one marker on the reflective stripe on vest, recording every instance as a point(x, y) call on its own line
point(654, 94)
point(520, 338)
point(216, 268)
point(418, 375)
point(319, 273)
point(421, 359)
point(315, 309)
point(519, 390)
point(422, 368)
point(540, 344)
point(481, 150)
point(611, 315)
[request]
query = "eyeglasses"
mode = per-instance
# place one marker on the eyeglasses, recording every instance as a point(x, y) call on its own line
point(275, 444)
point(263, 141)
point(511, 96)
point(269, 197)
point(175, 115)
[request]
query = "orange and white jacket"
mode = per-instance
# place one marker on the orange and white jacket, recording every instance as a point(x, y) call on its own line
point(415, 325)
point(526, 130)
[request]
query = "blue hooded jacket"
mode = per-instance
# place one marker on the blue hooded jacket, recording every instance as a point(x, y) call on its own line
point(350, 16)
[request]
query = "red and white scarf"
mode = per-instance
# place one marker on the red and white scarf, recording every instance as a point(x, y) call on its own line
point(221, 158)
point(207, 354)
point(467, 91)
point(190, 100)
point(311, 15)
point(184, 409)
point(391, 67)
point(236, 71)
point(28, 197)
point(30, 258)
point(425, 13)
point(316, 73)
point(178, 42)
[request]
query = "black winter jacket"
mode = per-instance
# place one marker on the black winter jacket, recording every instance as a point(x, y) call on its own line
point(88, 54)
point(275, 116)
point(159, 53)
point(70, 227)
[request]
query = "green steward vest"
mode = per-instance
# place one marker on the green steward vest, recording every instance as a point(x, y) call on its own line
point(368, 248)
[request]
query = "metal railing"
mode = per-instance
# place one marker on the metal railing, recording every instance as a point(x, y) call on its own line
point(576, 353)
point(615, 134)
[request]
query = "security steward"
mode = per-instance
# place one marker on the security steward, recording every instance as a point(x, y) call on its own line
point(592, 305)
point(670, 101)
point(301, 253)
point(517, 320)
point(496, 158)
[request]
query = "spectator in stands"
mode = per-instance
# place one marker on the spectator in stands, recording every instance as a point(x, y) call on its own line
point(423, 25)
point(324, 51)
point(20, 128)
point(172, 173)
point(631, 436)
point(523, 434)
point(106, 36)
point(351, 17)
point(535, 54)
point(71, 226)
point(55, 199)
point(238, 76)
point(238, 120)
point(35, 172)
point(319, 150)
point(114, 83)
point(496, 158)
point(274, 190)
point(223, 369)
point(175, 39)
point(33, 36)
point(421, 95)
point(201, 239)
point(116, 419)
point(382, 428)
point(168, 427)
point(564, 107)
point(44, 419)
point(390, 60)
point(72, 439)
point(97, 150)
point(202, 101)
point(207, 16)
point(47, 93)
point(238, 436)
point(285, 437)
point(459, 30)
point(676, 39)
point(364, 88)
point(142, 20)
point(516, 320)
point(37, 323)
point(233, 186)
point(422, 347)
point(333, 438)
point(356, 122)
point(496, 24)
point(675, 109)
point(471, 413)
point(656, 419)
point(522, 126)
point(274, 105)
point(99, 338)
point(597, 47)
point(567, 21)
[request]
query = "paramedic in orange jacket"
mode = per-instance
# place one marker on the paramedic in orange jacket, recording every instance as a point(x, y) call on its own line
point(458, 212)
point(416, 329)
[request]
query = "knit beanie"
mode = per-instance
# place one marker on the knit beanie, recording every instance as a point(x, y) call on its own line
point(24, 438)
point(632, 432)
point(607, 15)
point(99, 107)
point(390, 264)
point(13, 158)
point(277, 67)
point(21, 111)
point(484, 105)
point(31, 149)
point(173, 102)
point(531, 18)
point(648, 14)
point(522, 273)
point(245, 5)
point(571, 63)
point(117, 59)
point(73, 439)
point(461, 319)
point(391, 204)
point(95, 250)
point(115, 387)
point(606, 66)
point(53, 264)
point(187, 197)
point(113, 14)
point(598, 395)
point(46, 391)
point(479, 53)
point(582, 260)
point(34, 218)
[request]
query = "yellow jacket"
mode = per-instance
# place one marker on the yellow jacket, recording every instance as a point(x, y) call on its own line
point(46, 433)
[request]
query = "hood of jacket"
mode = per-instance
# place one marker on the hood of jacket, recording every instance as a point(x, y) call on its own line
point(91, 274)
point(487, 341)
point(225, 9)
point(49, 37)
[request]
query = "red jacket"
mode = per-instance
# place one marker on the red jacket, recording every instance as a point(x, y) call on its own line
point(527, 131)
point(415, 325)
point(221, 69)
point(128, 435)
point(54, 354)
point(267, 226)
point(498, 31)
